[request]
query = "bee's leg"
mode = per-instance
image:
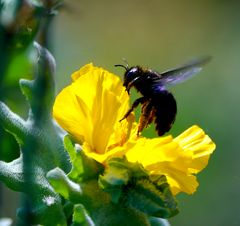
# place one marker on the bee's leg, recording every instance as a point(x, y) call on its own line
point(134, 105)
point(147, 116)
point(152, 116)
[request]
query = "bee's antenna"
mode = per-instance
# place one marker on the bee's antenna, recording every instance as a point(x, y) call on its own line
point(126, 62)
point(120, 65)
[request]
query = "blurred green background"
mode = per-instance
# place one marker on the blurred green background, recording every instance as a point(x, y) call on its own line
point(160, 35)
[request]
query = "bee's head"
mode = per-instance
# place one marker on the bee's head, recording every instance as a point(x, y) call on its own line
point(130, 75)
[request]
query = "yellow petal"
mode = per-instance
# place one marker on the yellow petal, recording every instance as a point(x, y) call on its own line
point(102, 158)
point(91, 107)
point(83, 70)
point(177, 158)
point(195, 141)
point(180, 182)
point(71, 120)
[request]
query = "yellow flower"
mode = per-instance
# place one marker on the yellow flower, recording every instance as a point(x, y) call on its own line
point(90, 109)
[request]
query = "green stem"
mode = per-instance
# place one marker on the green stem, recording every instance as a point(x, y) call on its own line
point(10, 174)
point(13, 123)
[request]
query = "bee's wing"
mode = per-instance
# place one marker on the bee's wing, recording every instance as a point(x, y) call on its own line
point(184, 72)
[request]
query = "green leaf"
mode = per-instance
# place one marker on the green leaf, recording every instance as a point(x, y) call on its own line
point(75, 158)
point(64, 186)
point(83, 168)
point(118, 174)
point(80, 217)
point(154, 221)
point(114, 178)
point(130, 184)
point(152, 197)
point(121, 166)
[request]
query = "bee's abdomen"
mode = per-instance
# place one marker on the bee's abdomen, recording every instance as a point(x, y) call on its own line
point(166, 109)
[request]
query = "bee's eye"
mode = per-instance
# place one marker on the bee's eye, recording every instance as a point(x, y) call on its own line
point(132, 73)
point(133, 70)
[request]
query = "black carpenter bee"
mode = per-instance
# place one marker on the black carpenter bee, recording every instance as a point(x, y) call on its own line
point(158, 104)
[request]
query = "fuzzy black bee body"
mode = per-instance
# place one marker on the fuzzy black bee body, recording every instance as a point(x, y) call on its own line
point(158, 104)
